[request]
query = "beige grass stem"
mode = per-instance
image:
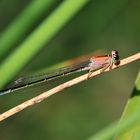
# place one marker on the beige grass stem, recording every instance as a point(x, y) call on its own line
point(61, 87)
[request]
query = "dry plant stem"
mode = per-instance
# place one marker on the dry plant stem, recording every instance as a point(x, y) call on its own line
point(61, 87)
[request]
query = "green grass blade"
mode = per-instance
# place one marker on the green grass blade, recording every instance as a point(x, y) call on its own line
point(133, 105)
point(130, 121)
point(17, 29)
point(50, 26)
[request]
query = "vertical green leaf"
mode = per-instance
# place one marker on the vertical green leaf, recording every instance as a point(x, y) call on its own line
point(133, 105)
point(129, 126)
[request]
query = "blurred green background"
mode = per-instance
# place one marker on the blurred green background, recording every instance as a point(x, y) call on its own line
point(84, 109)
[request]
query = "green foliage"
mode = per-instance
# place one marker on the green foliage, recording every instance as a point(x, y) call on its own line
point(87, 108)
point(22, 23)
point(132, 107)
point(128, 128)
point(36, 40)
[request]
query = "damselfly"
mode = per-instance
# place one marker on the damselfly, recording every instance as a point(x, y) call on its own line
point(92, 64)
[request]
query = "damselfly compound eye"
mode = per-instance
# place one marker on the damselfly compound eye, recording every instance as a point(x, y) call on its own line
point(115, 57)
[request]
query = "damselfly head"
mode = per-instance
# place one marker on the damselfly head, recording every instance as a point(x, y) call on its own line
point(115, 57)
